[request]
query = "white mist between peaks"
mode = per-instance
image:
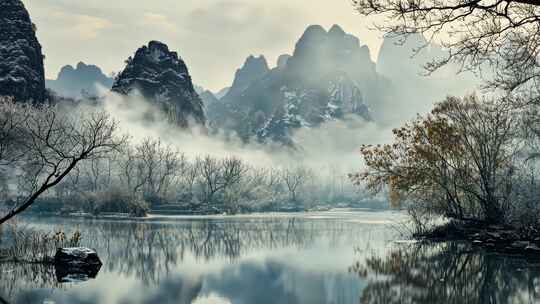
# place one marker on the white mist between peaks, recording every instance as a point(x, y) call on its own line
point(334, 145)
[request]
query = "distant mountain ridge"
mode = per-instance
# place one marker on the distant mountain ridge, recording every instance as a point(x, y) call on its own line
point(326, 78)
point(79, 81)
point(401, 61)
point(253, 69)
point(329, 76)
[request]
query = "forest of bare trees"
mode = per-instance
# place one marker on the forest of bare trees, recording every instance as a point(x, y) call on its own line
point(66, 159)
point(151, 175)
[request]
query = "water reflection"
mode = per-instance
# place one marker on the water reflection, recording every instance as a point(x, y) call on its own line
point(16, 277)
point(296, 261)
point(215, 261)
point(448, 273)
point(155, 249)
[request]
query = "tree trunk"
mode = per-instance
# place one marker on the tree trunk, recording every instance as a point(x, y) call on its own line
point(32, 199)
point(493, 213)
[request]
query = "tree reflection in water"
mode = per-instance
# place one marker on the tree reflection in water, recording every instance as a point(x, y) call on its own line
point(15, 277)
point(151, 251)
point(448, 273)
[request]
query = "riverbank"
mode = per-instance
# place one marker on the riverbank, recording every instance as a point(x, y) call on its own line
point(198, 214)
point(498, 238)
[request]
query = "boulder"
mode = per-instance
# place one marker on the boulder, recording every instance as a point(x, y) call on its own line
point(162, 77)
point(22, 73)
point(76, 264)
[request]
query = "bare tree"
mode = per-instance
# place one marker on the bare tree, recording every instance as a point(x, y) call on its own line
point(94, 173)
point(173, 165)
point(294, 179)
point(274, 181)
point(503, 34)
point(218, 175)
point(12, 117)
point(52, 143)
point(251, 188)
point(189, 179)
point(126, 166)
point(160, 167)
point(131, 170)
point(69, 185)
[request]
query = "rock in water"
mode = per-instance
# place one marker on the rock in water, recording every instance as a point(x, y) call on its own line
point(76, 264)
point(161, 77)
point(22, 74)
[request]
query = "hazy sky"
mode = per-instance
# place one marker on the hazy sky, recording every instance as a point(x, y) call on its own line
point(213, 36)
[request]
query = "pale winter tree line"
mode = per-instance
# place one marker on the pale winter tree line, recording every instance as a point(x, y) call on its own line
point(62, 158)
point(153, 175)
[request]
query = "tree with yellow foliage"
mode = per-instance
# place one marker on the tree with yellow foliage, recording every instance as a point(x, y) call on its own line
point(458, 161)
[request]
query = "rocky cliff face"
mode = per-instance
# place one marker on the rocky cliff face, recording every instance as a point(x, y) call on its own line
point(331, 97)
point(221, 112)
point(208, 98)
point(83, 80)
point(319, 52)
point(221, 93)
point(21, 61)
point(253, 69)
point(282, 61)
point(327, 77)
point(162, 77)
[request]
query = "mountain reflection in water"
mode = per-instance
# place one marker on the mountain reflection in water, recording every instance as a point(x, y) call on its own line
point(328, 258)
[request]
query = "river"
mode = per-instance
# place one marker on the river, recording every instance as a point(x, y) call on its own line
point(335, 257)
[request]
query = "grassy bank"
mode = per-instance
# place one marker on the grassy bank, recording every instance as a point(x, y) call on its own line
point(23, 245)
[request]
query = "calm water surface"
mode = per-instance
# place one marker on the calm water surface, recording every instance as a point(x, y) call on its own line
point(330, 257)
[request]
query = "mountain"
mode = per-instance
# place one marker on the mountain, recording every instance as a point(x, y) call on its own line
point(319, 51)
point(21, 60)
point(282, 61)
point(329, 76)
point(81, 80)
point(199, 89)
point(401, 62)
point(253, 69)
point(208, 97)
point(221, 93)
point(161, 77)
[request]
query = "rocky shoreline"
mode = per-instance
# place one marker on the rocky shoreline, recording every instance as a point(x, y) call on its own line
point(502, 239)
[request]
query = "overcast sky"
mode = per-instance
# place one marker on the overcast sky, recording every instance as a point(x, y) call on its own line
point(213, 36)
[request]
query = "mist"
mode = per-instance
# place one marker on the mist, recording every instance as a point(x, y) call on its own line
point(334, 143)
